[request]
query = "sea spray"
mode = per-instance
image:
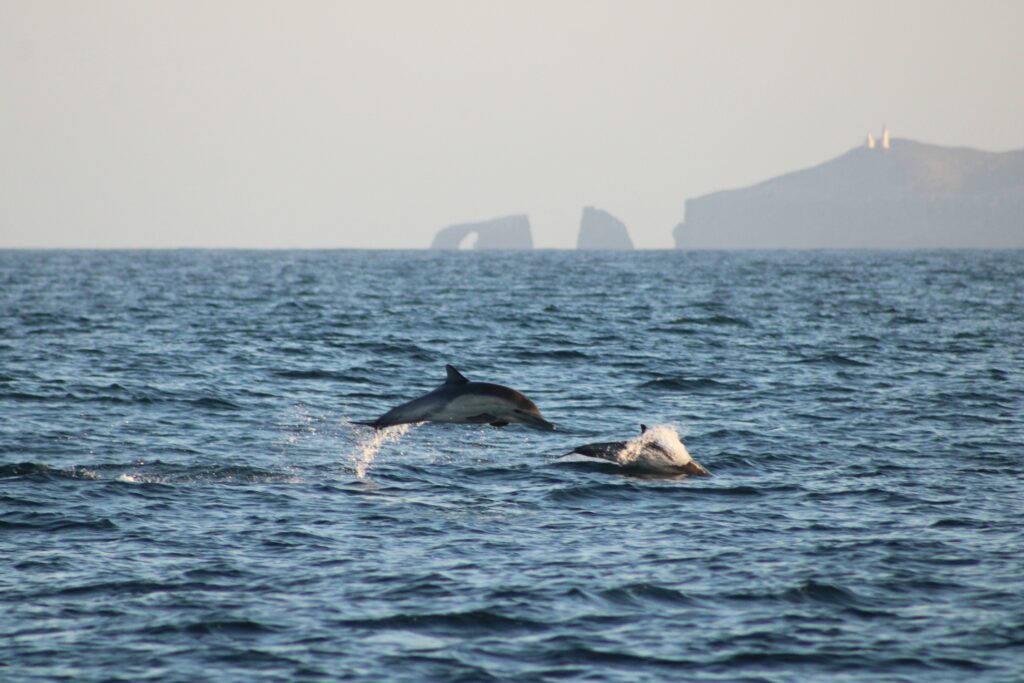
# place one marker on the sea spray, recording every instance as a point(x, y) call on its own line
point(672, 451)
point(369, 443)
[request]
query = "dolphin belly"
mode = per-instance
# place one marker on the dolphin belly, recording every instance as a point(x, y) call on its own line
point(419, 409)
point(476, 409)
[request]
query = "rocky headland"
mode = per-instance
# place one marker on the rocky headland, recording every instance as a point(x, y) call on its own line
point(899, 194)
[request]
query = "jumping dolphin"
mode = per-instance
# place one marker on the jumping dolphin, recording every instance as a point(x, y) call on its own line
point(658, 450)
point(463, 402)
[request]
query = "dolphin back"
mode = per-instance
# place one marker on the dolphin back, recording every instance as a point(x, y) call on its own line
point(459, 400)
point(606, 450)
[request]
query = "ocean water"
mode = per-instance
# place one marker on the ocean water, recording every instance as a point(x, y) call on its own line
point(183, 497)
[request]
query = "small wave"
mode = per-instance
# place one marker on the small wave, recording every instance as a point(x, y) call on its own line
point(158, 473)
point(697, 385)
point(834, 359)
point(767, 659)
point(907, 320)
point(316, 374)
point(412, 351)
point(998, 374)
point(82, 398)
point(117, 394)
point(155, 472)
point(639, 593)
point(131, 587)
point(826, 593)
point(29, 397)
point(231, 627)
point(618, 489)
point(39, 471)
point(23, 469)
point(808, 592)
point(286, 306)
point(817, 417)
point(50, 522)
point(960, 523)
point(725, 433)
point(215, 403)
point(576, 652)
point(729, 491)
point(970, 395)
point(712, 321)
point(458, 622)
point(559, 354)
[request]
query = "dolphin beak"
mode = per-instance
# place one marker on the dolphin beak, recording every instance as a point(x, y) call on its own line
point(695, 469)
point(538, 422)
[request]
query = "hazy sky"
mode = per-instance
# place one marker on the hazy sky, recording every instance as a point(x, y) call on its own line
point(374, 124)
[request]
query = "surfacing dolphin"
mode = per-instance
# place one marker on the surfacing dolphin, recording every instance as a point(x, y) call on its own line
point(655, 450)
point(463, 402)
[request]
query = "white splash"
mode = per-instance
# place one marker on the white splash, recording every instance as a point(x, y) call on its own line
point(369, 443)
point(83, 473)
point(669, 452)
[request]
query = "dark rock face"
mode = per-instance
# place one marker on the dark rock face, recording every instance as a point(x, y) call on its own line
point(509, 232)
point(601, 230)
point(911, 195)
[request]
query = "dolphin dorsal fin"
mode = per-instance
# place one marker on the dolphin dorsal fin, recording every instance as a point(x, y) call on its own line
point(454, 376)
point(643, 429)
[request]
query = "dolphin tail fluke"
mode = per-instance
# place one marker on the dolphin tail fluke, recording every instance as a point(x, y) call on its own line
point(373, 423)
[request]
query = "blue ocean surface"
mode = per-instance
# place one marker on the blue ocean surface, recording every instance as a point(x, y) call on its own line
point(181, 499)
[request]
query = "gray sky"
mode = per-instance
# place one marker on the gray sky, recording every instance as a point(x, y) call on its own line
point(374, 124)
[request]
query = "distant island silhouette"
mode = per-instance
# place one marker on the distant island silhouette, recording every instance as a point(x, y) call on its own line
point(598, 230)
point(507, 232)
point(890, 194)
point(601, 230)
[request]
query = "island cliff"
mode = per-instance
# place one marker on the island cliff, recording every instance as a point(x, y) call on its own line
point(508, 232)
point(900, 194)
point(601, 230)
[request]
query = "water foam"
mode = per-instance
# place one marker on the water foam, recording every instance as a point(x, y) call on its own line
point(368, 445)
point(672, 451)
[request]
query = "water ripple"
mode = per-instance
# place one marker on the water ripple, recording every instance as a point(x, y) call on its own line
point(183, 495)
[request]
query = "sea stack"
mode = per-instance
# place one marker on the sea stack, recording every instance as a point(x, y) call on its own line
point(601, 230)
point(886, 194)
point(508, 232)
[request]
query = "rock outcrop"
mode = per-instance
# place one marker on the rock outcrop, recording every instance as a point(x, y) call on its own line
point(907, 194)
point(508, 232)
point(601, 230)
